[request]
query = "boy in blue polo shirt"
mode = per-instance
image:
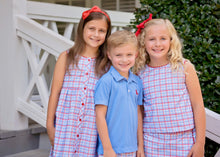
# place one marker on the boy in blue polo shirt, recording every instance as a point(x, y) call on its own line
point(118, 96)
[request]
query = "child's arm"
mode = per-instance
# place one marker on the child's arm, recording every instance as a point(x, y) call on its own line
point(103, 130)
point(57, 83)
point(193, 86)
point(140, 152)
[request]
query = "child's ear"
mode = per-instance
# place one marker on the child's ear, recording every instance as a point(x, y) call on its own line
point(108, 55)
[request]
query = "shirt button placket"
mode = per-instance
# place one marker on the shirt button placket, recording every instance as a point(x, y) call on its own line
point(83, 98)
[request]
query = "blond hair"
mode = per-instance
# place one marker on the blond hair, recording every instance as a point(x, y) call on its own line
point(116, 39)
point(175, 52)
point(119, 38)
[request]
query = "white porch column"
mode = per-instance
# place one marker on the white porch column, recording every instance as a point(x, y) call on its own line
point(13, 66)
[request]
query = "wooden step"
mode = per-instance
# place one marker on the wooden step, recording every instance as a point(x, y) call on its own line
point(31, 153)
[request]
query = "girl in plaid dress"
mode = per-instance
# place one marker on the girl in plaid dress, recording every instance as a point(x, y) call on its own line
point(174, 115)
point(71, 123)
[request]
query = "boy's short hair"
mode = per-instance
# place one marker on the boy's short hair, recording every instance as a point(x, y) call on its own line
point(121, 37)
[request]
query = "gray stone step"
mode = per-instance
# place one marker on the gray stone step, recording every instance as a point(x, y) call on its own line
point(31, 153)
point(14, 142)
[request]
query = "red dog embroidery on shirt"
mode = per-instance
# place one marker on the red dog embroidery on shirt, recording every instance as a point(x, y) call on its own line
point(136, 92)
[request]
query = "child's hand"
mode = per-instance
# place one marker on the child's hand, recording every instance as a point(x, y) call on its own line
point(197, 150)
point(140, 152)
point(109, 153)
point(51, 135)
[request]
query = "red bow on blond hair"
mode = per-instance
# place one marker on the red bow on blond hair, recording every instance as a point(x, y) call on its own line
point(141, 25)
point(86, 13)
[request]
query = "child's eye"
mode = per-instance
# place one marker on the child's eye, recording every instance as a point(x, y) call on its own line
point(118, 55)
point(103, 31)
point(91, 28)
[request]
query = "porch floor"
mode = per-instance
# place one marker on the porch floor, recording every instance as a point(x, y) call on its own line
point(31, 153)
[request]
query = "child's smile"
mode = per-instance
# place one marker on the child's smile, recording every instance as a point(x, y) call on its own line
point(123, 58)
point(157, 43)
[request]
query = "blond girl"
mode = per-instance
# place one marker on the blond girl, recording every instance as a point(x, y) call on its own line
point(174, 115)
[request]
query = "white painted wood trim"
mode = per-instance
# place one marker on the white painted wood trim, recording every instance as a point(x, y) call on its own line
point(218, 153)
point(36, 69)
point(213, 125)
point(52, 43)
point(71, 13)
point(42, 36)
point(68, 30)
point(32, 110)
point(53, 26)
point(65, 13)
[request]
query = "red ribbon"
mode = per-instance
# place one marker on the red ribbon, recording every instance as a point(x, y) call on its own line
point(86, 13)
point(141, 25)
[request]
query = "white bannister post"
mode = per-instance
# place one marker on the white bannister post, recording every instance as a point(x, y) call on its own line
point(13, 66)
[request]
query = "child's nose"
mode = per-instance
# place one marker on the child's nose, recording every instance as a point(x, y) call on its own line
point(96, 33)
point(124, 59)
point(157, 42)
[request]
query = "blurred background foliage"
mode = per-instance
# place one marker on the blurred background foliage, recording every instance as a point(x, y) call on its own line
point(198, 25)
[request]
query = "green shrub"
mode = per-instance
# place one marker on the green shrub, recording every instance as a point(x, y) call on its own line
point(198, 25)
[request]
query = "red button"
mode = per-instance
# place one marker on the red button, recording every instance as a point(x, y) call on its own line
point(86, 73)
point(77, 135)
point(88, 59)
point(84, 88)
point(83, 104)
point(75, 151)
point(80, 119)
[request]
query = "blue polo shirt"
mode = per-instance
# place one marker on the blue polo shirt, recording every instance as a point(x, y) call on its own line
point(122, 96)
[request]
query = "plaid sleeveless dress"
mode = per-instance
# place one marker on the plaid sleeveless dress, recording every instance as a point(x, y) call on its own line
point(168, 118)
point(76, 133)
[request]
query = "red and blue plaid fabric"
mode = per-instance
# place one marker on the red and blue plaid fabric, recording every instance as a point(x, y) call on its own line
point(167, 105)
point(169, 144)
point(76, 133)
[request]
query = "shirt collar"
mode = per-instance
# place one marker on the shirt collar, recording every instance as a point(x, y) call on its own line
point(118, 76)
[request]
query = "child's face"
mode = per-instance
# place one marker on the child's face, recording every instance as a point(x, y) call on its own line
point(94, 33)
point(157, 43)
point(123, 58)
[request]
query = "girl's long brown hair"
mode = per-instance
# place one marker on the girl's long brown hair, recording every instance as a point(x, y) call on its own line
point(78, 48)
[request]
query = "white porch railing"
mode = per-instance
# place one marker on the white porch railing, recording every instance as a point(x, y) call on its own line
point(41, 44)
point(50, 44)
point(70, 16)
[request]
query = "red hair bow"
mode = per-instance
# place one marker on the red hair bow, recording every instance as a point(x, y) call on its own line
point(141, 25)
point(86, 13)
